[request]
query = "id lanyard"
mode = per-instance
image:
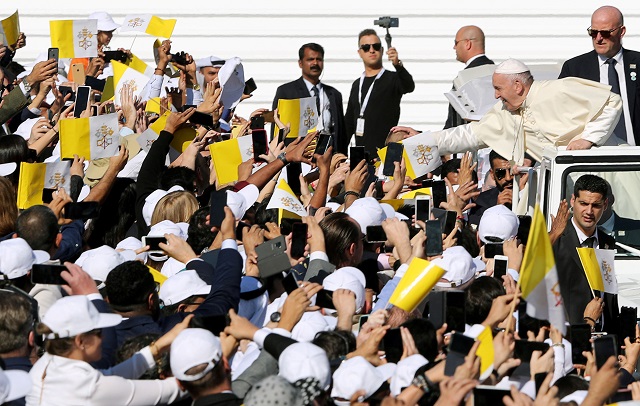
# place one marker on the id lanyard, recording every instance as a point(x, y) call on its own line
point(363, 104)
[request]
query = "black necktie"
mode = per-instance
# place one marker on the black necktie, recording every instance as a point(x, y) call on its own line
point(620, 130)
point(589, 243)
point(316, 93)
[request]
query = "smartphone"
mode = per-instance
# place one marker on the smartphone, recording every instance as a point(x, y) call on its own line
point(81, 210)
point(82, 100)
point(215, 324)
point(448, 307)
point(324, 299)
point(433, 245)
point(78, 73)
point(524, 348)
point(628, 322)
point(438, 192)
point(290, 283)
point(118, 55)
point(239, 229)
point(324, 141)
point(492, 249)
point(449, 222)
point(356, 155)
point(257, 123)
point(272, 258)
point(47, 195)
point(268, 116)
point(280, 135)
point(376, 234)
point(249, 86)
point(65, 90)
point(523, 229)
point(579, 337)
point(459, 347)
point(394, 154)
point(392, 345)
point(154, 243)
point(422, 208)
point(260, 146)
point(501, 264)
point(363, 319)
point(47, 274)
point(485, 395)
point(298, 239)
point(217, 203)
point(53, 53)
point(294, 170)
point(205, 120)
point(604, 348)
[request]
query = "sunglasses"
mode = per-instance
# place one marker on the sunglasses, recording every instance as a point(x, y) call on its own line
point(604, 33)
point(500, 173)
point(376, 47)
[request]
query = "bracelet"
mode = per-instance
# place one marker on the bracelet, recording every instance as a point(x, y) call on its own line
point(283, 157)
point(558, 345)
point(158, 69)
point(587, 318)
point(351, 193)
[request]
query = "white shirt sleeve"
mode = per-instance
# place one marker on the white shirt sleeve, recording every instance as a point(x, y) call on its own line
point(155, 86)
point(134, 367)
point(318, 255)
point(114, 390)
point(601, 127)
point(457, 139)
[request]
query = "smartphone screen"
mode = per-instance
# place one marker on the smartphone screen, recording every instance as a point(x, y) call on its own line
point(154, 242)
point(450, 222)
point(524, 349)
point(604, 348)
point(392, 345)
point(82, 100)
point(628, 321)
point(217, 203)
point(81, 210)
point(53, 53)
point(438, 192)
point(65, 90)
point(433, 245)
point(492, 249)
point(324, 141)
point(280, 135)
point(294, 170)
point(501, 264)
point(579, 339)
point(118, 55)
point(259, 137)
point(249, 86)
point(523, 228)
point(394, 154)
point(363, 319)
point(376, 234)
point(290, 283)
point(205, 120)
point(356, 155)
point(48, 274)
point(298, 239)
point(324, 299)
point(423, 208)
point(459, 347)
point(489, 395)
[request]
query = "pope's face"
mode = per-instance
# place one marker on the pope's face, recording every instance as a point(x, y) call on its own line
point(508, 91)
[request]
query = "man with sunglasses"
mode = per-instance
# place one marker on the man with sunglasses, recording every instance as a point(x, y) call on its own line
point(611, 64)
point(501, 194)
point(374, 102)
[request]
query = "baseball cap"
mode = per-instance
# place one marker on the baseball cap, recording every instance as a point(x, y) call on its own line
point(182, 285)
point(498, 221)
point(358, 374)
point(100, 261)
point(17, 258)
point(405, 372)
point(151, 201)
point(345, 279)
point(212, 61)
point(14, 385)
point(73, 315)
point(8, 168)
point(240, 201)
point(390, 212)
point(193, 347)
point(167, 227)
point(367, 212)
point(304, 360)
point(105, 21)
point(459, 267)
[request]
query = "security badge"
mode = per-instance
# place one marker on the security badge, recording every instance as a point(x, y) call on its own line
point(360, 126)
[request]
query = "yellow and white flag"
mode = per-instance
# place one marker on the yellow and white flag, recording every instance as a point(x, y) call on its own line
point(75, 38)
point(180, 137)
point(485, 350)
point(415, 285)
point(420, 155)
point(284, 198)
point(140, 66)
point(125, 75)
point(228, 155)
point(10, 29)
point(38, 176)
point(539, 276)
point(301, 114)
point(91, 138)
point(148, 24)
point(599, 267)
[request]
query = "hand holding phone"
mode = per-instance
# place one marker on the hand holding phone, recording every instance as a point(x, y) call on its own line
point(47, 274)
point(298, 239)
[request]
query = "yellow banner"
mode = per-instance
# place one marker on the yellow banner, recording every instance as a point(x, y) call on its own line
point(75, 138)
point(11, 28)
point(30, 184)
point(416, 284)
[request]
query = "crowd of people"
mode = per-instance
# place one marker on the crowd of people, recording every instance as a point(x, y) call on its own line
point(167, 296)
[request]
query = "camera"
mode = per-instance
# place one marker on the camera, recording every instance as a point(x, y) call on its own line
point(180, 58)
point(387, 22)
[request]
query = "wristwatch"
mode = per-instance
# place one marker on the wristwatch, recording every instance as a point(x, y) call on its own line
point(423, 383)
point(275, 317)
point(27, 86)
point(283, 158)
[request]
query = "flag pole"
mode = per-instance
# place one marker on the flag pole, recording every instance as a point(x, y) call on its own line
point(513, 306)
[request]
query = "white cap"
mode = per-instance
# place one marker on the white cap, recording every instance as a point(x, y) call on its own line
point(367, 212)
point(14, 385)
point(305, 360)
point(346, 279)
point(209, 61)
point(355, 272)
point(151, 201)
point(24, 129)
point(498, 221)
point(8, 168)
point(459, 266)
point(358, 374)
point(231, 77)
point(169, 227)
point(100, 261)
point(132, 243)
point(310, 324)
point(73, 315)
point(239, 202)
point(170, 267)
point(193, 347)
point(17, 257)
point(390, 212)
point(182, 285)
point(405, 372)
point(105, 21)
point(511, 66)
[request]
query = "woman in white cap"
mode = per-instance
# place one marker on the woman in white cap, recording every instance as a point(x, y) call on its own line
point(63, 376)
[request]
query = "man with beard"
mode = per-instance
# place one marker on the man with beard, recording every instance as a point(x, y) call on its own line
point(501, 194)
point(328, 99)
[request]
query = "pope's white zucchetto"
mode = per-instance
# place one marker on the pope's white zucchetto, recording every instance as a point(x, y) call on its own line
point(511, 66)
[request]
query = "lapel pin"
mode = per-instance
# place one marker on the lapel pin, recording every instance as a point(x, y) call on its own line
point(632, 66)
point(633, 76)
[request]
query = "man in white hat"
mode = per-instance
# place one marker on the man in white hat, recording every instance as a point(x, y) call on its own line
point(570, 112)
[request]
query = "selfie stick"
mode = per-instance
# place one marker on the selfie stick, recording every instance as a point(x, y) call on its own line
point(387, 38)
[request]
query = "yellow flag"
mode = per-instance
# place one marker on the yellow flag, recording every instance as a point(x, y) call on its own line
point(284, 198)
point(139, 65)
point(75, 38)
point(10, 27)
point(413, 193)
point(91, 138)
point(591, 268)
point(36, 177)
point(158, 277)
point(415, 285)
point(149, 24)
point(301, 114)
point(228, 155)
point(485, 352)
point(109, 90)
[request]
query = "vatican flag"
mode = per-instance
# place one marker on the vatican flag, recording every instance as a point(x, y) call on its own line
point(91, 138)
point(10, 29)
point(420, 155)
point(123, 74)
point(228, 155)
point(139, 65)
point(75, 38)
point(283, 198)
point(148, 24)
point(301, 114)
point(599, 267)
point(415, 285)
point(36, 177)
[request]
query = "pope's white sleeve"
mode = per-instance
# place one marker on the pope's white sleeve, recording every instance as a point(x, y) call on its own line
point(600, 128)
point(457, 139)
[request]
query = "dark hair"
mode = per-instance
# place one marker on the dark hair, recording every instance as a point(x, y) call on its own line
point(339, 233)
point(365, 32)
point(55, 346)
point(129, 285)
point(38, 226)
point(312, 46)
point(8, 207)
point(479, 298)
point(467, 239)
point(424, 336)
point(16, 319)
point(591, 183)
point(406, 209)
point(451, 166)
point(336, 343)
point(216, 377)
point(199, 234)
point(117, 215)
point(494, 155)
point(264, 215)
point(13, 148)
point(178, 176)
point(569, 384)
point(134, 344)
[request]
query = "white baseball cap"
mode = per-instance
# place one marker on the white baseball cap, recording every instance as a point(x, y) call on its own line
point(310, 324)
point(209, 61)
point(17, 257)
point(240, 201)
point(459, 267)
point(8, 168)
point(367, 212)
point(182, 285)
point(100, 261)
point(358, 374)
point(345, 279)
point(405, 372)
point(151, 201)
point(14, 385)
point(498, 221)
point(305, 360)
point(390, 212)
point(105, 21)
point(73, 315)
point(193, 347)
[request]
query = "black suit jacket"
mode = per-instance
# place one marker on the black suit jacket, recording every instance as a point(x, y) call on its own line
point(454, 119)
point(574, 286)
point(298, 89)
point(484, 201)
point(586, 66)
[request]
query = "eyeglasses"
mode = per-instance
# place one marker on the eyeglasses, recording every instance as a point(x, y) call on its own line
point(604, 33)
point(500, 173)
point(376, 47)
